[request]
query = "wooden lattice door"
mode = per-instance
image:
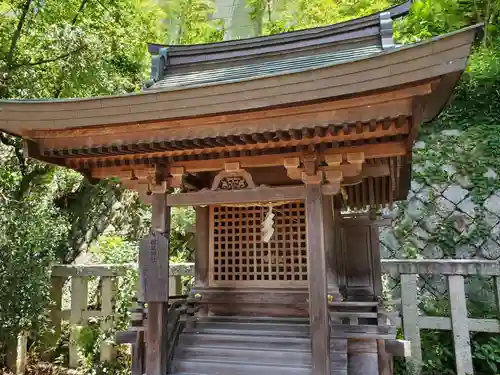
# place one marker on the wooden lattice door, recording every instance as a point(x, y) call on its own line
point(239, 257)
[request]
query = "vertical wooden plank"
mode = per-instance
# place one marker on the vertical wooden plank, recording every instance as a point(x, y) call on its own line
point(410, 322)
point(459, 325)
point(358, 259)
point(79, 299)
point(376, 261)
point(108, 292)
point(201, 258)
point(174, 285)
point(316, 263)
point(497, 291)
point(22, 353)
point(154, 264)
point(329, 235)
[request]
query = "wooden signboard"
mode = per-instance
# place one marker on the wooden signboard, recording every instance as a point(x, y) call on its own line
point(153, 260)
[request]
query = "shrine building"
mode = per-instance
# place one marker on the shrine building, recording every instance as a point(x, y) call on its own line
point(286, 146)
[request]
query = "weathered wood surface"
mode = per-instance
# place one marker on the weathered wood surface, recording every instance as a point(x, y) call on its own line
point(79, 299)
point(318, 308)
point(108, 293)
point(153, 260)
point(395, 267)
point(114, 270)
point(156, 338)
point(201, 271)
point(154, 254)
point(410, 321)
point(460, 329)
point(264, 194)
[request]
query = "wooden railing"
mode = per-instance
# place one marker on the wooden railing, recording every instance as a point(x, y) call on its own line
point(459, 322)
point(410, 320)
point(79, 314)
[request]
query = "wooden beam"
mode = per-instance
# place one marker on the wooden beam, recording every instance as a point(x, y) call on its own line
point(318, 297)
point(261, 194)
point(371, 151)
point(398, 348)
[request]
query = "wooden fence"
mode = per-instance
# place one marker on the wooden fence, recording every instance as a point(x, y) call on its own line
point(410, 320)
point(459, 322)
point(78, 315)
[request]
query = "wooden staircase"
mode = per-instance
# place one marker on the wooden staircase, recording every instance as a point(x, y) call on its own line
point(249, 346)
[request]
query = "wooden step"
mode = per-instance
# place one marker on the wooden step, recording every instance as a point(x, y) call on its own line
point(210, 367)
point(248, 331)
point(263, 319)
point(246, 355)
point(254, 326)
point(240, 341)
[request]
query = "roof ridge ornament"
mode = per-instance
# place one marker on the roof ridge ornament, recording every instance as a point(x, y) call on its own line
point(386, 30)
point(158, 66)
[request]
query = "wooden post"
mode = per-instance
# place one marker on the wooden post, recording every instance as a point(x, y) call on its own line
point(497, 291)
point(174, 285)
point(410, 321)
point(459, 325)
point(318, 298)
point(22, 353)
point(108, 291)
point(201, 258)
point(79, 299)
point(154, 263)
point(329, 234)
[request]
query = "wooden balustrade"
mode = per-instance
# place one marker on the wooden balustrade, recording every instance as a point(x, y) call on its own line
point(79, 313)
point(459, 322)
point(410, 319)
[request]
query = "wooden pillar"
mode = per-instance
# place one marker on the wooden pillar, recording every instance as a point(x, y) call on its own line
point(154, 269)
point(79, 300)
point(108, 293)
point(318, 303)
point(411, 330)
point(329, 233)
point(460, 325)
point(201, 257)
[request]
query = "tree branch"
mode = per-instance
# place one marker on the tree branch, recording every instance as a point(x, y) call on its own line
point(40, 62)
point(59, 84)
point(17, 34)
point(10, 141)
point(75, 18)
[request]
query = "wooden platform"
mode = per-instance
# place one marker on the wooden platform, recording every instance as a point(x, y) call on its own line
point(250, 346)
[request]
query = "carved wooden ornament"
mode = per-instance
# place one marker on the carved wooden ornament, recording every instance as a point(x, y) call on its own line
point(233, 178)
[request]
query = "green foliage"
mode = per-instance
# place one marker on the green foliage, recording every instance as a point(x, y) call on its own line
point(24, 266)
point(188, 22)
point(486, 354)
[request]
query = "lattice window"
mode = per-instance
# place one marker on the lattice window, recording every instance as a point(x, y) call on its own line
point(239, 257)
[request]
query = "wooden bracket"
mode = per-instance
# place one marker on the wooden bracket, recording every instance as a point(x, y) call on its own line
point(312, 179)
point(310, 163)
point(177, 174)
point(292, 166)
point(232, 166)
point(334, 160)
